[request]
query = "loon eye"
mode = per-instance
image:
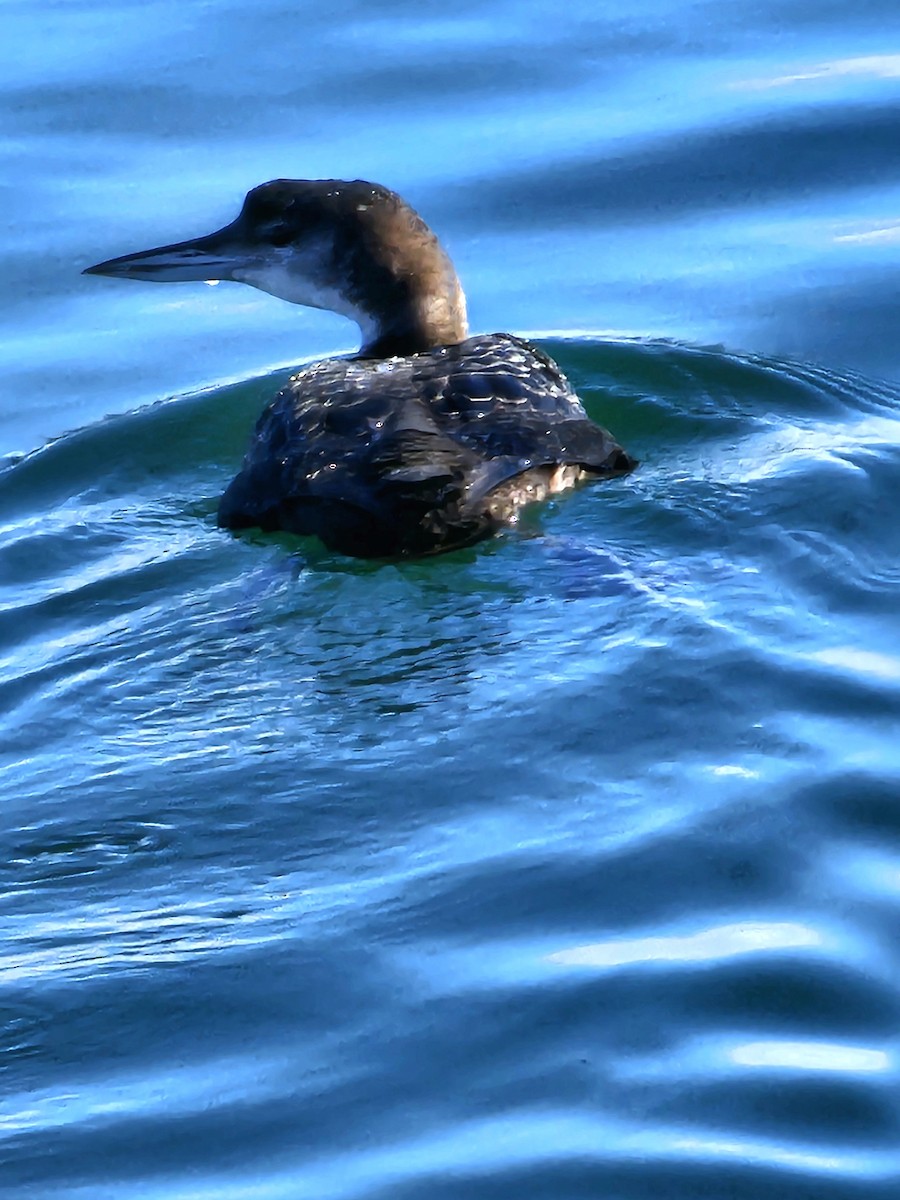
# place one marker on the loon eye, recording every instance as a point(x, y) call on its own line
point(280, 234)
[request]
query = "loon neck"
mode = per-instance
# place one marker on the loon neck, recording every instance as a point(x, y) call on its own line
point(395, 277)
point(421, 322)
point(398, 345)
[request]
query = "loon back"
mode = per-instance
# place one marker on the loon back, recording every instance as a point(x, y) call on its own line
point(428, 440)
point(419, 454)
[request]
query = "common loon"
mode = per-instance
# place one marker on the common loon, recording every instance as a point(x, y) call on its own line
point(427, 439)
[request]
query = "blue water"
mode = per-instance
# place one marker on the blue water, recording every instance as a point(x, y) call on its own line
point(567, 866)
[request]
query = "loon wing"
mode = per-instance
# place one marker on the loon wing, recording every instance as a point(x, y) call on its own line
point(420, 454)
point(403, 493)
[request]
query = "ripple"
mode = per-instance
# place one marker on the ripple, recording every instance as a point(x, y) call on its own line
point(43, 856)
point(722, 942)
point(567, 854)
point(100, 941)
point(813, 1056)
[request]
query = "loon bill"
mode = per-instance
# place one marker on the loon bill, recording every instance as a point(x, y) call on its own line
point(426, 440)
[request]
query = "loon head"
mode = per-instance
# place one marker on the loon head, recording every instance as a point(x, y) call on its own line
point(352, 247)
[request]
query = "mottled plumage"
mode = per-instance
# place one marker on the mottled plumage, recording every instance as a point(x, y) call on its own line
point(416, 455)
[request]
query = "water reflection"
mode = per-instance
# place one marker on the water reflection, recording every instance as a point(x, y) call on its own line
point(812, 1056)
point(877, 66)
point(857, 661)
point(725, 941)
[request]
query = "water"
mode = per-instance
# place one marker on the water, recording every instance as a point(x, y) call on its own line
point(565, 866)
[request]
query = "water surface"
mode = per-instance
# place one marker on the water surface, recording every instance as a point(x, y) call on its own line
point(564, 866)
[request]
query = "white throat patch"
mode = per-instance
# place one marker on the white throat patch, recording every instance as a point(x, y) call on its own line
point(298, 278)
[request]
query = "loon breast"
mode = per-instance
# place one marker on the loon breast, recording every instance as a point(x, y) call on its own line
point(429, 439)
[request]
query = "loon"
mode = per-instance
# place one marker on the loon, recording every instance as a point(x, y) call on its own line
point(424, 441)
